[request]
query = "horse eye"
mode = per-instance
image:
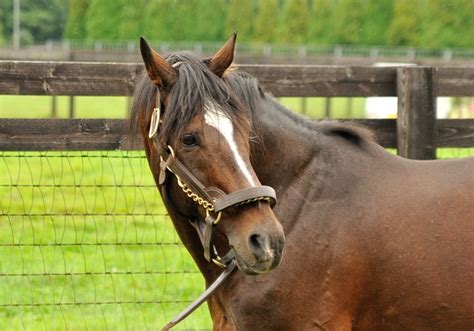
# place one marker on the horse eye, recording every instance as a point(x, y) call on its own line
point(189, 140)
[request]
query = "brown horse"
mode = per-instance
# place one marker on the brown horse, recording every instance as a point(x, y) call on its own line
point(372, 240)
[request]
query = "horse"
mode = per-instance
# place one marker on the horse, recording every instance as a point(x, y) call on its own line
point(358, 238)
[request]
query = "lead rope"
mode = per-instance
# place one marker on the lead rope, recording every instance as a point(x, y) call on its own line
point(203, 297)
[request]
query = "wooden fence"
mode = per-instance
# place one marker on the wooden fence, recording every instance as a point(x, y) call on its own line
point(416, 132)
point(87, 228)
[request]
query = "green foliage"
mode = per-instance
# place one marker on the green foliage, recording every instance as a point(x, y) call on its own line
point(155, 22)
point(448, 24)
point(44, 19)
point(320, 22)
point(267, 20)
point(348, 22)
point(240, 18)
point(374, 28)
point(131, 23)
point(405, 25)
point(103, 19)
point(208, 22)
point(2, 38)
point(198, 20)
point(76, 19)
point(40, 19)
point(294, 27)
point(423, 23)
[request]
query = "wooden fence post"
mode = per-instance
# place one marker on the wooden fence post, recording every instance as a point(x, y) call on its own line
point(54, 107)
point(327, 107)
point(416, 113)
point(72, 111)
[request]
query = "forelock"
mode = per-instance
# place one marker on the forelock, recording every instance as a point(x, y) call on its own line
point(195, 86)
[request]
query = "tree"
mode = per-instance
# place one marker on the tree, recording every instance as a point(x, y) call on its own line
point(320, 24)
point(2, 38)
point(404, 28)
point(239, 18)
point(374, 29)
point(160, 20)
point(40, 19)
point(447, 23)
point(76, 19)
point(197, 20)
point(348, 21)
point(103, 19)
point(131, 23)
point(294, 27)
point(267, 20)
point(209, 22)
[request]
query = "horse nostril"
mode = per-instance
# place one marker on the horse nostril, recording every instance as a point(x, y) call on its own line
point(258, 245)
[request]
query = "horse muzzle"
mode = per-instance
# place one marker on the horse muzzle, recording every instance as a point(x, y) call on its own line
point(263, 253)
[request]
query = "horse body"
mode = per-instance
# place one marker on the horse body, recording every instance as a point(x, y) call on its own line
point(373, 241)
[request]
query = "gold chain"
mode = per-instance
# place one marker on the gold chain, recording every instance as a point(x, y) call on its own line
point(209, 206)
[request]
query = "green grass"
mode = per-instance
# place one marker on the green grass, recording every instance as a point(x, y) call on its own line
point(84, 240)
point(85, 243)
point(14, 106)
point(117, 107)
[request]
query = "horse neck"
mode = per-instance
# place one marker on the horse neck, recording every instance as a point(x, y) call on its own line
point(299, 160)
point(283, 149)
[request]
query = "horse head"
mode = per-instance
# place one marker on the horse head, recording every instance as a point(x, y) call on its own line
point(196, 133)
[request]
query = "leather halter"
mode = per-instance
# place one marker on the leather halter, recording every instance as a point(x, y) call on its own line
point(212, 199)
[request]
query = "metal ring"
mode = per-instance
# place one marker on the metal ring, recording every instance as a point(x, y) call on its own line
point(171, 151)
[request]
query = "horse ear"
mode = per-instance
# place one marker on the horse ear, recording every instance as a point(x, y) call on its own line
point(159, 70)
point(222, 60)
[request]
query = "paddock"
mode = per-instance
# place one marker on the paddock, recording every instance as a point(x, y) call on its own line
point(104, 225)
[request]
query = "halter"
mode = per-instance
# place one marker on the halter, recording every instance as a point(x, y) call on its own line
point(212, 199)
point(203, 196)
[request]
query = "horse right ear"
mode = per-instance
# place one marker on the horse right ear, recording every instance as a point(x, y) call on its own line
point(159, 70)
point(222, 60)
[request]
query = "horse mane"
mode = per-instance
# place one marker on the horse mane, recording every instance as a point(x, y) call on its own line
point(251, 93)
point(195, 85)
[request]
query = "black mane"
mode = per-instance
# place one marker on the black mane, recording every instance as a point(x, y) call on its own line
point(254, 98)
point(195, 85)
point(237, 91)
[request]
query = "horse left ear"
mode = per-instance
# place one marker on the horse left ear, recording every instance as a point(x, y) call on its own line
point(222, 60)
point(159, 70)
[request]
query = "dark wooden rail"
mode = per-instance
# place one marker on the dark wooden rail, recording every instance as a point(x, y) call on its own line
point(116, 79)
point(416, 133)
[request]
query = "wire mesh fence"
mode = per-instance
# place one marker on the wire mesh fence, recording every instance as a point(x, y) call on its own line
point(85, 243)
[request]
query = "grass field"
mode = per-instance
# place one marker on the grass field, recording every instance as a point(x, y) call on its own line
point(84, 240)
point(85, 243)
point(117, 107)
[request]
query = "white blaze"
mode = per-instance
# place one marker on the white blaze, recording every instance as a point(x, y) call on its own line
point(217, 119)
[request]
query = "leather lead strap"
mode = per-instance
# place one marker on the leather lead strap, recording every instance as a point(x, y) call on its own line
point(203, 297)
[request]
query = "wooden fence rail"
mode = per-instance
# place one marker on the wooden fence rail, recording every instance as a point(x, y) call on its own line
point(416, 132)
